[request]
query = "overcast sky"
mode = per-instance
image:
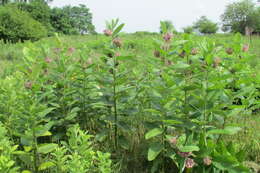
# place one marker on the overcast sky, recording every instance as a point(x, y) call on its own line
point(145, 15)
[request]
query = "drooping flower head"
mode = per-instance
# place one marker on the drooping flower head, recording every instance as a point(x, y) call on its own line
point(71, 50)
point(167, 37)
point(173, 140)
point(217, 61)
point(189, 163)
point(229, 51)
point(117, 54)
point(108, 32)
point(194, 51)
point(48, 60)
point(207, 161)
point(184, 154)
point(245, 48)
point(28, 85)
point(117, 42)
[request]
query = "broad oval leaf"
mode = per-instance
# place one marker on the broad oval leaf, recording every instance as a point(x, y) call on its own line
point(189, 148)
point(47, 148)
point(181, 65)
point(26, 171)
point(154, 132)
point(226, 131)
point(46, 165)
point(154, 151)
point(118, 29)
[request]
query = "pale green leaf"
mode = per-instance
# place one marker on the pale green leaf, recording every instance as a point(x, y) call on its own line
point(154, 132)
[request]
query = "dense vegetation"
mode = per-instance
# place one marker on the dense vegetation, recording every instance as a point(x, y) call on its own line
point(156, 103)
point(116, 102)
point(16, 25)
point(240, 15)
point(35, 19)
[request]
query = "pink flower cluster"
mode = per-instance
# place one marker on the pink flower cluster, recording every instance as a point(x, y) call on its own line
point(167, 37)
point(189, 163)
point(108, 32)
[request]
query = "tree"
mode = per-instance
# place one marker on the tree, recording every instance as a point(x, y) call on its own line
point(3, 2)
point(72, 20)
point(206, 26)
point(239, 15)
point(188, 29)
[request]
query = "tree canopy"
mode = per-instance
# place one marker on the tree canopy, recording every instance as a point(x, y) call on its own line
point(239, 15)
point(65, 20)
point(206, 26)
point(72, 20)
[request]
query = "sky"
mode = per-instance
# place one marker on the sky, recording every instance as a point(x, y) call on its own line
point(145, 15)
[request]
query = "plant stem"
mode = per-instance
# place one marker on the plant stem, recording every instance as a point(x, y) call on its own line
point(115, 102)
point(35, 157)
point(205, 100)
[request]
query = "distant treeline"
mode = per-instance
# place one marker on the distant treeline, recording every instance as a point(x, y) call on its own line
point(34, 19)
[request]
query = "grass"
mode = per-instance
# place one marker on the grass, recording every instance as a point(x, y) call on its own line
point(248, 139)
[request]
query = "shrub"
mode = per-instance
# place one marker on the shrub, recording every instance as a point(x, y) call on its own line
point(16, 25)
point(205, 26)
point(40, 11)
point(7, 163)
point(188, 29)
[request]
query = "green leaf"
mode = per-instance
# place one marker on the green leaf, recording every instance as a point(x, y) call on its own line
point(154, 132)
point(154, 151)
point(45, 112)
point(225, 131)
point(118, 29)
point(189, 148)
point(46, 165)
point(100, 137)
point(47, 148)
point(172, 122)
point(163, 27)
point(26, 171)
point(181, 65)
point(47, 133)
point(123, 142)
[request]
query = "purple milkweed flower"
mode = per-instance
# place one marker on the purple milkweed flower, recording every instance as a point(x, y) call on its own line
point(207, 161)
point(173, 140)
point(57, 50)
point(117, 42)
point(229, 51)
point(245, 48)
point(217, 61)
point(189, 163)
point(184, 154)
point(108, 32)
point(117, 54)
point(28, 85)
point(48, 60)
point(167, 37)
point(194, 51)
point(71, 50)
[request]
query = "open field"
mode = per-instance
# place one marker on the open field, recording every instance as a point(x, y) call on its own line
point(134, 98)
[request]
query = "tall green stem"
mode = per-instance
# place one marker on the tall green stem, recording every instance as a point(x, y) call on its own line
point(205, 98)
point(35, 156)
point(115, 102)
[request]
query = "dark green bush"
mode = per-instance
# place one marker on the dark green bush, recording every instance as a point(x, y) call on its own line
point(17, 25)
point(40, 11)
